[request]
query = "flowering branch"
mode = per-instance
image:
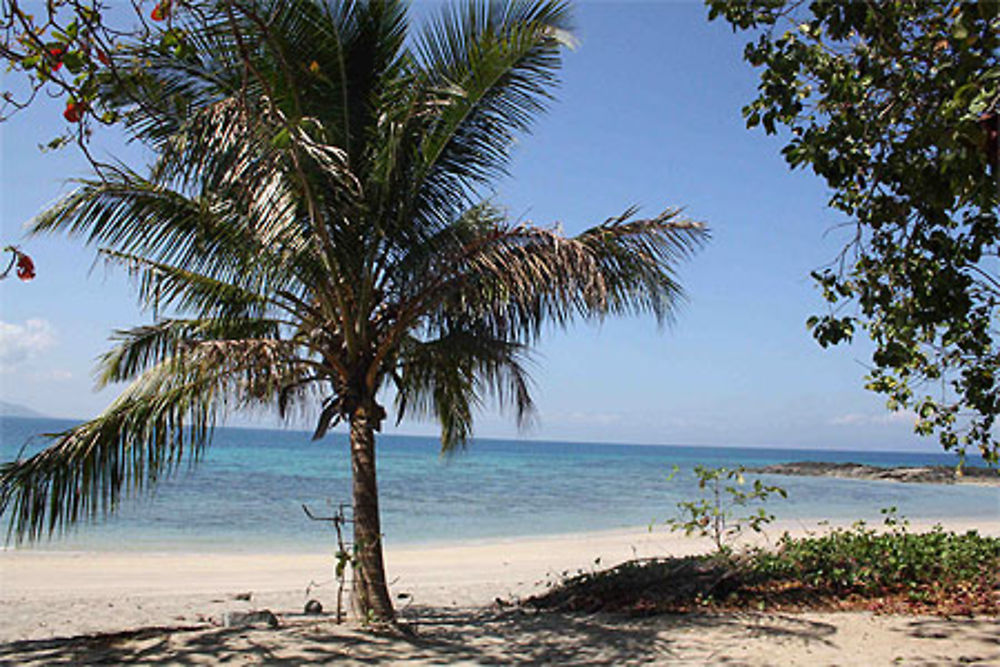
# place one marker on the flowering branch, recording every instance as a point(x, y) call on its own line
point(25, 267)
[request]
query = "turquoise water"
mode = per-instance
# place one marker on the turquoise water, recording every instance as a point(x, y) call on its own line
point(247, 493)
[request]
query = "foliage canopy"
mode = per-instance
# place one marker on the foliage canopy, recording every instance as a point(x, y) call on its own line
point(896, 105)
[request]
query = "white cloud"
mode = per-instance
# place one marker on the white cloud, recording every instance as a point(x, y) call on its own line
point(881, 419)
point(584, 418)
point(20, 343)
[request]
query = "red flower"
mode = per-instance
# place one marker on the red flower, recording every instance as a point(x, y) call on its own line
point(104, 58)
point(57, 53)
point(160, 11)
point(25, 267)
point(74, 111)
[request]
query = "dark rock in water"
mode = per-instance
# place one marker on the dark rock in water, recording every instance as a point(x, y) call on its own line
point(314, 607)
point(241, 619)
point(913, 474)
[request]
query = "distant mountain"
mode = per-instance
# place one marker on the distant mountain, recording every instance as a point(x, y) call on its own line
point(15, 410)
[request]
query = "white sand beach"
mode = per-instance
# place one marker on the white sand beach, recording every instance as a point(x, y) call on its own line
point(77, 607)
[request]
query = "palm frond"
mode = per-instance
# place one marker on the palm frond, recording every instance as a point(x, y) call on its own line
point(157, 90)
point(133, 217)
point(142, 348)
point(518, 278)
point(637, 260)
point(358, 50)
point(450, 377)
point(164, 286)
point(165, 416)
point(493, 65)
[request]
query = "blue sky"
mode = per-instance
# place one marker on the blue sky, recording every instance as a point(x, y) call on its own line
point(648, 115)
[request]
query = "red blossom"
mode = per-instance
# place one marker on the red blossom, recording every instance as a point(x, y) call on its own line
point(57, 53)
point(74, 111)
point(25, 267)
point(160, 11)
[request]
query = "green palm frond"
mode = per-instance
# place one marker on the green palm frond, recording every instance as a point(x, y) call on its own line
point(87, 469)
point(478, 77)
point(425, 263)
point(165, 416)
point(499, 62)
point(451, 376)
point(298, 58)
point(358, 50)
point(158, 91)
point(134, 218)
point(133, 215)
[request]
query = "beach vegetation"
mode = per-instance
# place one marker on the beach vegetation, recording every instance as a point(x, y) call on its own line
point(315, 235)
point(896, 106)
point(724, 510)
point(882, 564)
point(891, 570)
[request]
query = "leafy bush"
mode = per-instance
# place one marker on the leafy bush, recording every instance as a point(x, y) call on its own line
point(863, 560)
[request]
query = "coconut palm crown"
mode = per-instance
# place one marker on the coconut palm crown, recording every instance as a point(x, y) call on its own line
point(312, 233)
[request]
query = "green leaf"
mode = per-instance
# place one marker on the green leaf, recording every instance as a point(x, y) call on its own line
point(74, 62)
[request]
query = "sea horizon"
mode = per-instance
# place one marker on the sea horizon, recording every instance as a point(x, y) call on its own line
point(307, 432)
point(247, 493)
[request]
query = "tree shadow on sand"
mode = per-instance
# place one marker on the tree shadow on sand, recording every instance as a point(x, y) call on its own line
point(980, 635)
point(434, 635)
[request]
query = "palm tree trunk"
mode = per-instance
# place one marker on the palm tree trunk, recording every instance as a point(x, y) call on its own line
point(371, 594)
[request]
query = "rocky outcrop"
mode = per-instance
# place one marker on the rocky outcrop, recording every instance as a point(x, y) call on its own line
point(913, 474)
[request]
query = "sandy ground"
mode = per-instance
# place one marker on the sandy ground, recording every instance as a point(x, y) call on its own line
point(83, 608)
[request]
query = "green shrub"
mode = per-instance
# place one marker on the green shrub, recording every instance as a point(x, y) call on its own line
point(723, 511)
point(861, 559)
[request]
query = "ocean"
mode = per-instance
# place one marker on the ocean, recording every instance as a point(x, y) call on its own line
point(248, 491)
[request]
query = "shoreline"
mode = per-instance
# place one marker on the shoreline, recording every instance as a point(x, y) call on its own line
point(795, 525)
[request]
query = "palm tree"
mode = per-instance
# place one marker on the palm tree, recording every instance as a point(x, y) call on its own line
point(310, 234)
